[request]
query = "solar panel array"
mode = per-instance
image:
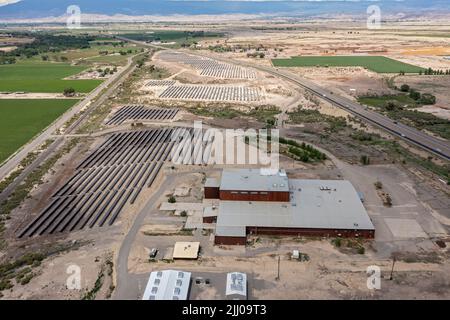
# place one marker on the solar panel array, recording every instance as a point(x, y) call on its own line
point(210, 67)
point(160, 83)
point(211, 93)
point(113, 175)
point(139, 112)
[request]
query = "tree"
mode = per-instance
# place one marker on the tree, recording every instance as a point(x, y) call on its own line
point(172, 199)
point(64, 59)
point(390, 105)
point(365, 160)
point(414, 94)
point(404, 88)
point(427, 99)
point(140, 63)
point(69, 92)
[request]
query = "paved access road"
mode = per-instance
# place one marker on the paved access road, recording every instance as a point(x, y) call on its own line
point(440, 147)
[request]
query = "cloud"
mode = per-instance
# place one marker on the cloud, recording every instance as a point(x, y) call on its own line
point(6, 2)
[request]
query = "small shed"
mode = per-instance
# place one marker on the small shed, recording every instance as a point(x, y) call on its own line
point(212, 188)
point(210, 214)
point(236, 288)
point(186, 250)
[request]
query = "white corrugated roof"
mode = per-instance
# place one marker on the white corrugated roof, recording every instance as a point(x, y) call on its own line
point(212, 182)
point(254, 180)
point(236, 284)
point(167, 285)
point(328, 204)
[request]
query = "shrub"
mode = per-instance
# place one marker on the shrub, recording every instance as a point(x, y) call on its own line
point(413, 94)
point(378, 185)
point(427, 99)
point(337, 242)
point(69, 92)
point(388, 201)
point(404, 88)
point(172, 199)
point(361, 250)
point(390, 105)
point(365, 160)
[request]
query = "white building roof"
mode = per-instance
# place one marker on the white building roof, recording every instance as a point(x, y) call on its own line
point(167, 285)
point(236, 284)
point(186, 250)
point(254, 180)
point(212, 183)
point(327, 204)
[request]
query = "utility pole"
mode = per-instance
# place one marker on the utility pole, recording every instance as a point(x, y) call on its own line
point(392, 270)
point(278, 273)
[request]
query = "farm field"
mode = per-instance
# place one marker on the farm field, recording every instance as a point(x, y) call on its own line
point(94, 51)
point(380, 101)
point(172, 36)
point(22, 119)
point(44, 77)
point(378, 64)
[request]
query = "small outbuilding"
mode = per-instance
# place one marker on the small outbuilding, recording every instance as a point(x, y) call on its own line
point(210, 214)
point(212, 188)
point(186, 250)
point(167, 285)
point(236, 288)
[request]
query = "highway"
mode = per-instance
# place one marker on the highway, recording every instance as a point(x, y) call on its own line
point(437, 146)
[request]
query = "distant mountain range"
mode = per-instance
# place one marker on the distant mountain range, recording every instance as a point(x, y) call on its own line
point(37, 9)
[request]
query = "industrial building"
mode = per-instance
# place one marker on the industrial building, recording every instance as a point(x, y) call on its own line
point(269, 203)
point(167, 285)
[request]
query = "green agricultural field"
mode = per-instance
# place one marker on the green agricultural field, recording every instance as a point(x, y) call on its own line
point(180, 37)
point(380, 101)
point(22, 119)
point(375, 63)
point(42, 77)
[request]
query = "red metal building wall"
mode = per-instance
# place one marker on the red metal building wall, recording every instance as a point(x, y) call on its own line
point(253, 196)
point(212, 193)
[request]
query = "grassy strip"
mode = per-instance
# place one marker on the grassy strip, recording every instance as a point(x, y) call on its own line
point(301, 116)
point(399, 153)
point(182, 232)
point(264, 114)
point(417, 119)
point(381, 101)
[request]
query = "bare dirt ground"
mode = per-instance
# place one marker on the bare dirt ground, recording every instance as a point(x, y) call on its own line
point(8, 49)
point(275, 92)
